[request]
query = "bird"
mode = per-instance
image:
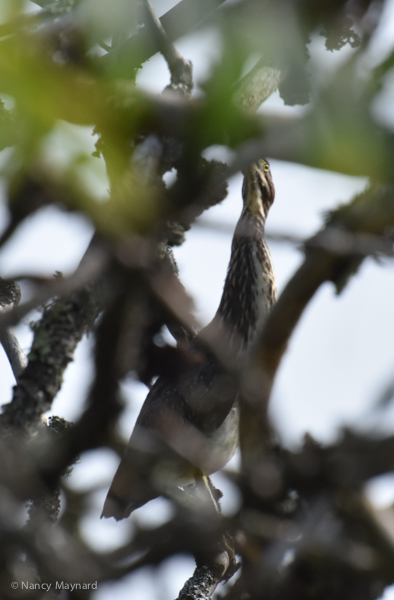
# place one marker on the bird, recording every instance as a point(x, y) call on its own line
point(187, 428)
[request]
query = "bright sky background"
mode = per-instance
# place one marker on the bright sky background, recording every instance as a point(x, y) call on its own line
point(340, 357)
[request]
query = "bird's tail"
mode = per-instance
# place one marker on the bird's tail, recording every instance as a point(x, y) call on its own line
point(129, 490)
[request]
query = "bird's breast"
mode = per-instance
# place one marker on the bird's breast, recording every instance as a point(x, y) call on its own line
point(263, 291)
point(225, 441)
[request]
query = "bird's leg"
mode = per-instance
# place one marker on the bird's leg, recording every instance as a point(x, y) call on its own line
point(204, 495)
point(201, 495)
point(227, 544)
point(215, 493)
point(229, 547)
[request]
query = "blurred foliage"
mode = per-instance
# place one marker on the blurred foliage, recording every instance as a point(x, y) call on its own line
point(72, 66)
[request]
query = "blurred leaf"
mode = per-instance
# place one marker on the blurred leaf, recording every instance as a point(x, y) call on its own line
point(342, 134)
point(45, 92)
point(221, 121)
point(8, 127)
point(102, 19)
point(133, 207)
point(10, 9)
point(382, 69)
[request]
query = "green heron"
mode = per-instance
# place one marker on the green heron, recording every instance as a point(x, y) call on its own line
point(188, 426)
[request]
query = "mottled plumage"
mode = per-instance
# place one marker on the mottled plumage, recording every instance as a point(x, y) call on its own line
point(188, 428)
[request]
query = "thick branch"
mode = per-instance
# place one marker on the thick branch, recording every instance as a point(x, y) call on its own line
point(350, 462)
point(200, 586)
point(56, 336)
point(370, 213)
point(256, 86)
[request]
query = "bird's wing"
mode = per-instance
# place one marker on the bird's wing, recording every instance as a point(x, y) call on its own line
point(202, 397)
point(170, 441)
point(130, 487)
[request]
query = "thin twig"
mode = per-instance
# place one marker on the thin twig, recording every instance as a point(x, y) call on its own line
point(10, 296)
point(13, 350)
point(340, 242)
point(105, 46)
point(180, 68)
point(178, 21)
point(59, 287)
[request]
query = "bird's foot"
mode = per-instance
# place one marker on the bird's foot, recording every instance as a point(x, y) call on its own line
point(229, 548)
point(223, 563)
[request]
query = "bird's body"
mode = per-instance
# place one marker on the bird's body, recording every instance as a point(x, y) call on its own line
point(188, 427)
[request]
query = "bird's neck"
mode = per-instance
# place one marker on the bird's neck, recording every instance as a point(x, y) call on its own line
point(249, 290)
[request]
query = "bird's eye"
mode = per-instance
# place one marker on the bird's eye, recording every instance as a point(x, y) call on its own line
point(266, 168)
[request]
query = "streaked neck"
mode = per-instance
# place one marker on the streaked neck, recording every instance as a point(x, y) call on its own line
point(249, 290)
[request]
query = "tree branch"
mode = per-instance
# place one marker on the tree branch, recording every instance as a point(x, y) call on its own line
point(56, 336)
point(370, 213)
point(258, 85)
point(10, 295)
point(200, 586)
point(180, 69)
point(181, 19)
point(16, 356)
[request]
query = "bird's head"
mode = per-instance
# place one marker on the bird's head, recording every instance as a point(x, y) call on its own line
point(258, 190)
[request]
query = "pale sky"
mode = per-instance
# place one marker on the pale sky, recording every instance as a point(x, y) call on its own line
point(340, 356)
